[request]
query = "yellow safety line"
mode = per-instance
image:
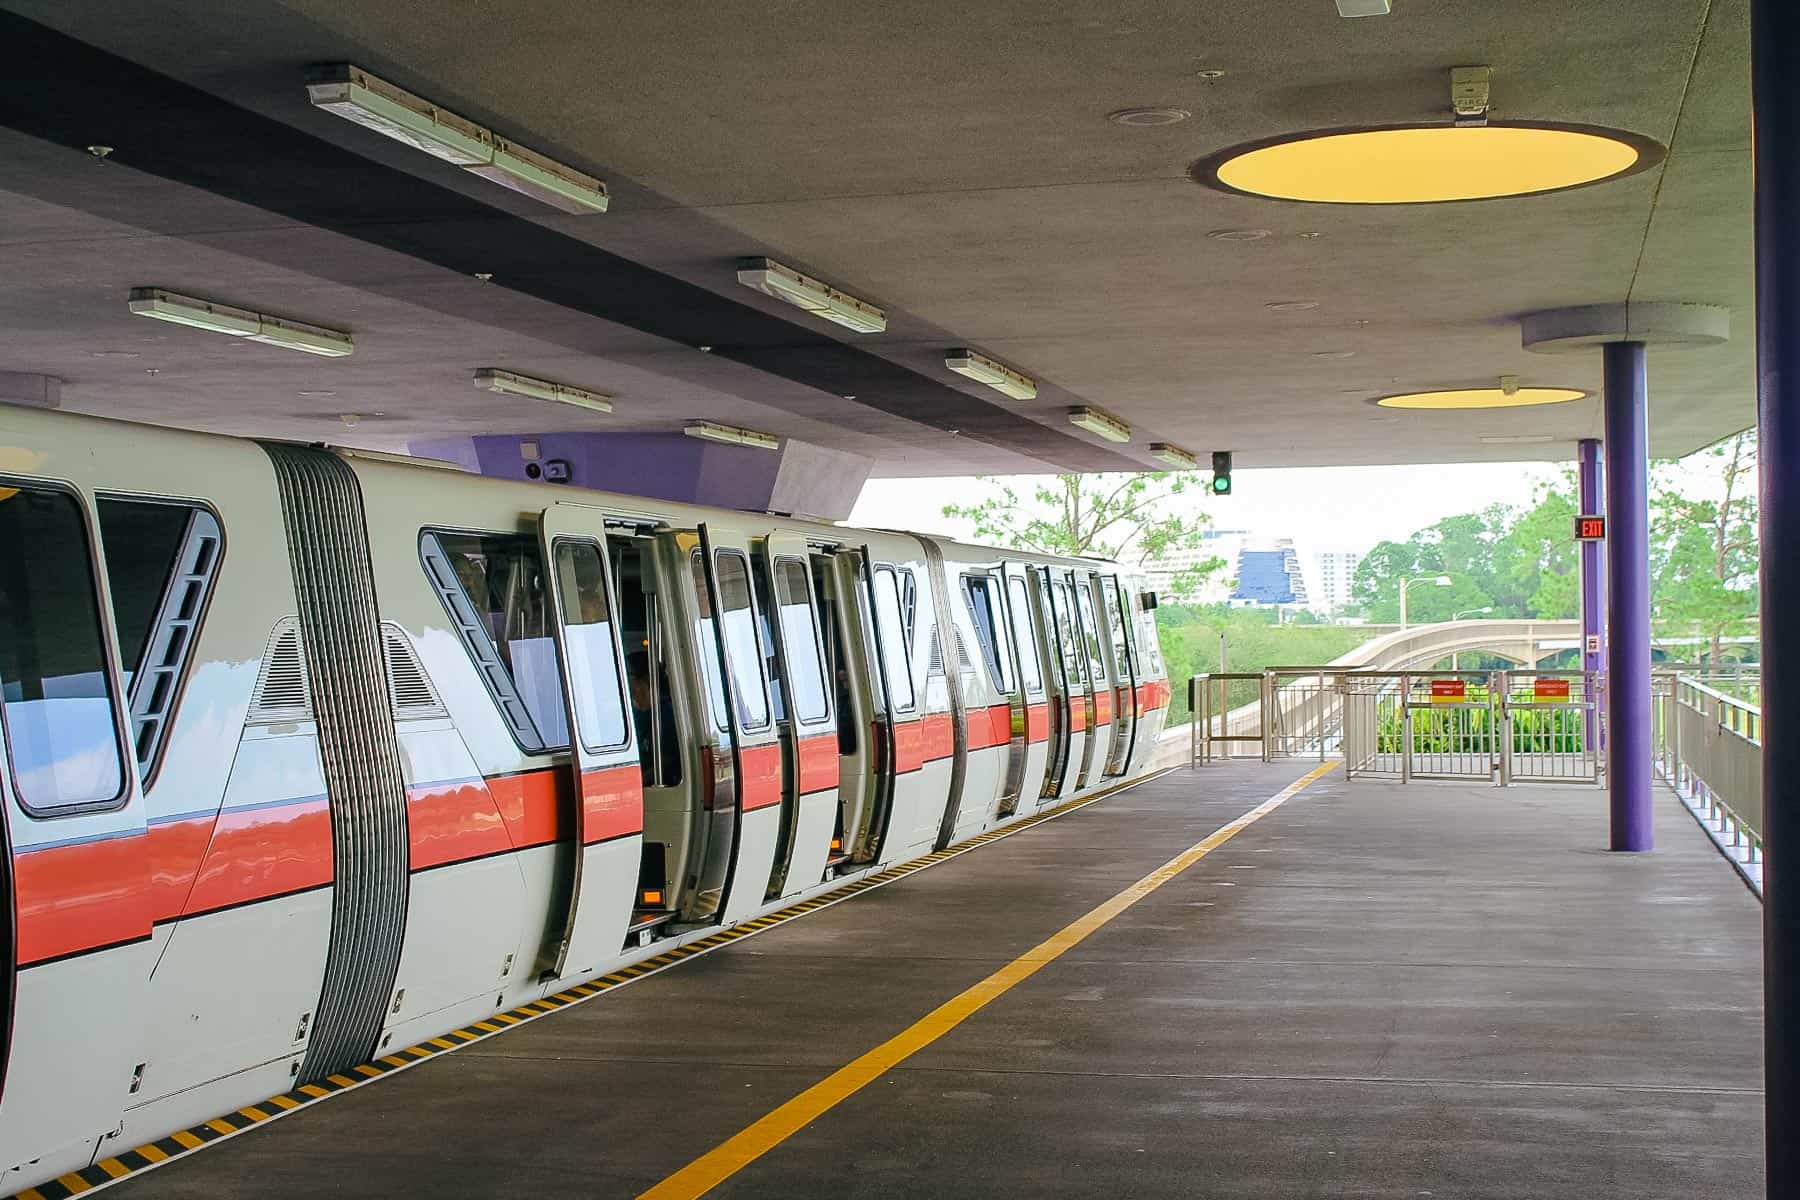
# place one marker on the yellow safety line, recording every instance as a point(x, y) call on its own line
point(739, 1151)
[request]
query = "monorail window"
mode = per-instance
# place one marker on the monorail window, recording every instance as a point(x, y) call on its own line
point(588, 640)
point(741, 646)
point(707, 639)
point(909, 609)
point(1019, 607)
point(161, 559)
point(984, 607)
point(1120, 621)
point(1084, 611)
point(55, 688)
point(1149, 650)
point(892, 631)
point(1065, 635)
point(800, 642)
point(492, 585)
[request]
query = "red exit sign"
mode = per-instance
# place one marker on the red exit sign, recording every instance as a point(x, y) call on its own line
point(1590, 529)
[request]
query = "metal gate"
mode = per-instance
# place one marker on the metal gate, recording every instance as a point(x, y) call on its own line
point(1374, 719)
point(1305, 712)
point(1552, 722)
point(1450, 728)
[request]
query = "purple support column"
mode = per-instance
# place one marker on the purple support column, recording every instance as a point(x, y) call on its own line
point(1593, 585)
point(1628, 748)
point(1774, 62)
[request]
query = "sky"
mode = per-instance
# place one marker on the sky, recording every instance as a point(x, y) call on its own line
point(1320, 508)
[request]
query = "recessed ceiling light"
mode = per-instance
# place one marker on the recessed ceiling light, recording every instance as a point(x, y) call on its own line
point(1427, 164)
point(1488, 397)
point(1148, 116)
point(1238, 235)
point(1519, 439)
point(1290, 306)
point(317, 395)
point(114, 354)
point(1210, 73)
point(1334, 354)
point(99, 152)
point(1310, 234)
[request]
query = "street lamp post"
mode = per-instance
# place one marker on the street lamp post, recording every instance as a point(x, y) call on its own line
point(1456, 655)
point(1433, 580)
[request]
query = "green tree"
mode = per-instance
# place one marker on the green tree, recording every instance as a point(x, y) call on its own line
point(1518, 562)
point(1704, 552)
point(1135, 519)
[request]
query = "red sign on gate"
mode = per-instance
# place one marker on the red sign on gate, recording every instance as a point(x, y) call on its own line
point(1448, 691)
point(1551, 689)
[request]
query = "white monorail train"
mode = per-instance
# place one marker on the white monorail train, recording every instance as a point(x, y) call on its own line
point(289, 775)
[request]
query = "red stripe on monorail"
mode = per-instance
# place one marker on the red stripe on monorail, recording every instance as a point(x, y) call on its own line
point(612, 802)
point(938, 731)
point(760, 768)
point(990, 726)
point(818, 767)
point(1077, 706)
point(450, 821)
point(80, 896)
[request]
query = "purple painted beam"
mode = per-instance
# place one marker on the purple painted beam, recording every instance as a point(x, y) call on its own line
point(1628, 747)
point(1593, 583)
point(1775, 112)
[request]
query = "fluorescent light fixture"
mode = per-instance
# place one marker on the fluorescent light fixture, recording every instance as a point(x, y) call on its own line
point(1364, 8)
point(350, 92)
point(815, 296)
point(731, 435)
point(1175, 456)
point(1100, 422)
point(239, 322)
point(531, 174)
point(999, 376)
point(508, 383)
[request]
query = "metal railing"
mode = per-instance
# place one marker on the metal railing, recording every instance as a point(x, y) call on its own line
point(1489, 726)
point(1229, 710)
point(1709, 747)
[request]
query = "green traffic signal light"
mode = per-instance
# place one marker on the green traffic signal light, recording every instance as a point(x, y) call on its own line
point(1221, 480)
point(1221, 485)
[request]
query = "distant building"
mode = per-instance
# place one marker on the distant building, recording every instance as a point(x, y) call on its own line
point(1333, 572)
point(1222, 544)
point(1270, 577)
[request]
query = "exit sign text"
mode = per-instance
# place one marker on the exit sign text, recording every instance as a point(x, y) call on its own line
point(1590, 529)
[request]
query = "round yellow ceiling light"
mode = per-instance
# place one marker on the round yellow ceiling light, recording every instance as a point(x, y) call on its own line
point(1427, 164)
point(1487, 397)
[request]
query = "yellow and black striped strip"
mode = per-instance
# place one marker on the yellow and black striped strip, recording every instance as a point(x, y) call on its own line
point(186, 1141)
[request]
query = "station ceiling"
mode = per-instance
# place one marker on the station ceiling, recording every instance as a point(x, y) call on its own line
point(952, 163)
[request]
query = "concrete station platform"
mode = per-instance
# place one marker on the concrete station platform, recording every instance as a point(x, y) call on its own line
point(1375, 990)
